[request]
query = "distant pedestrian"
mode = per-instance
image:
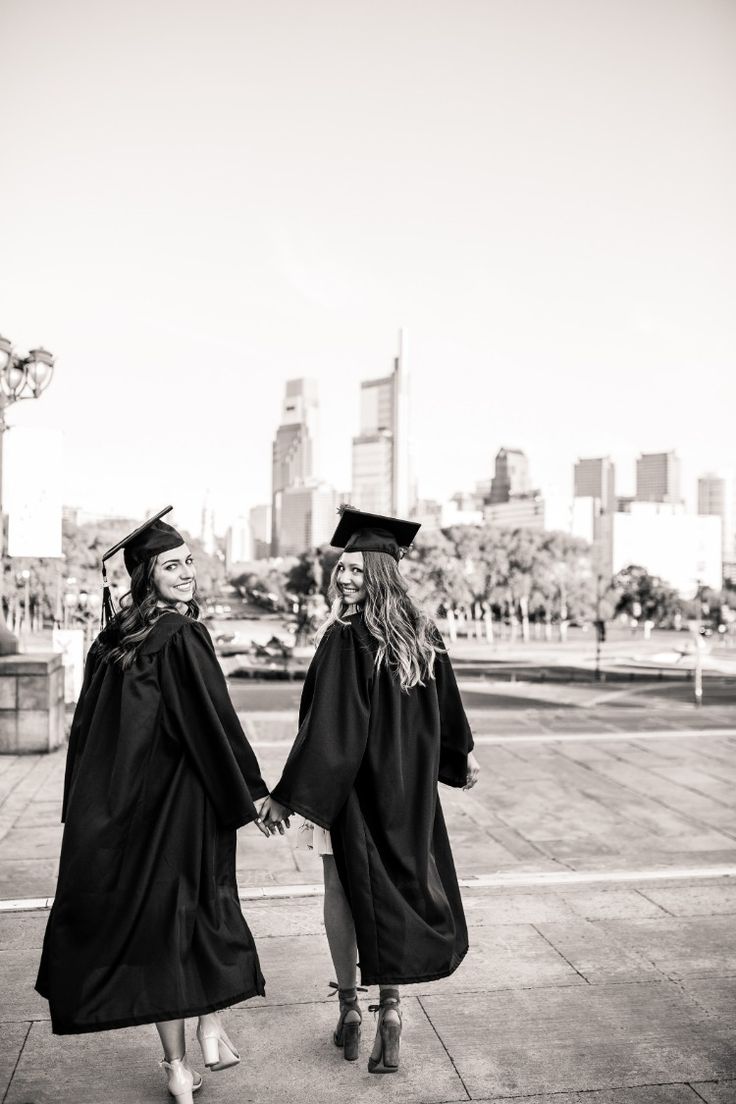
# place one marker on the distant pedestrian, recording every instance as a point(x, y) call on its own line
point(380, 723)
point(146, 925)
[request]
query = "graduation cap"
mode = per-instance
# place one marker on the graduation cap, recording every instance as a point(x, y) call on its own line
point(150, 538)
point(358, 531)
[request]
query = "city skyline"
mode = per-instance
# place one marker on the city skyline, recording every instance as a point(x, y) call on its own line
point(540, 194)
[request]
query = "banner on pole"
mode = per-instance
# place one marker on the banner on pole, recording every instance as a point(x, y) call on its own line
point(32, 491)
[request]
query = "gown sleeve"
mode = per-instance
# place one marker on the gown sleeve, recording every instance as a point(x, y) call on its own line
point(78, 729)
point(333, 730)
point(202, 716)
point(456, 739)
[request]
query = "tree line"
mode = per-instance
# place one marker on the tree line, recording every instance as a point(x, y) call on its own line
point(521, 578)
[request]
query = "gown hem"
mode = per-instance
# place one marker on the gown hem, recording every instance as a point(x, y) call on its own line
point(393, 979)
point(61, 1028)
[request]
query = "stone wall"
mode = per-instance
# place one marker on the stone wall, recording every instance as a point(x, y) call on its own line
point(31, 702)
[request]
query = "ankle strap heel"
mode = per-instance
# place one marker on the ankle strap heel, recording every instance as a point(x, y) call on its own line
point(385, 1056)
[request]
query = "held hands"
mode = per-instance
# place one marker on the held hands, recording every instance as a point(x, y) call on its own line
point(473, 772)
point(274, 817)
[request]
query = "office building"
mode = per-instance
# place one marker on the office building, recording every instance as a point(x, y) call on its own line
point(594, 503)
point(658, 477)
point(239, 543)
point(522, 512)
point(716, 498)
point(308, 518)
point(382, 477)
point(260, 528)
point(207, 527)
point(596, 478)
point(684, 550)
point(511, 476)
point(293, 461)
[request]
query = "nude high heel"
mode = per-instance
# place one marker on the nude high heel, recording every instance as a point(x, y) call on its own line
point(218, 1051)
point(182, 1081)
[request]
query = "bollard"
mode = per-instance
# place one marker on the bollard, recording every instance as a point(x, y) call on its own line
point(698, 687)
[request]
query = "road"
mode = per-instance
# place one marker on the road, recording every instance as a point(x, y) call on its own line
point(502, 694)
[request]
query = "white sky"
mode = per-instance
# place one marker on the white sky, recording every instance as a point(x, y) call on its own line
point(199, 201)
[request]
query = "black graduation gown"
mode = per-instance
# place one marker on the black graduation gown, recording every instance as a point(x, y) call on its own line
point(146, 924)
point(365, 764)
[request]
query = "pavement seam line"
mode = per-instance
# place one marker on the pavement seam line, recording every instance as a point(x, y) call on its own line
point(580, 1092)
point(50, 765)
point(559, 952)
point(444, 1047)
point(17, 1061)
point(693, 821)
point(656, 904)
point(693, 1089)
point(661, 777)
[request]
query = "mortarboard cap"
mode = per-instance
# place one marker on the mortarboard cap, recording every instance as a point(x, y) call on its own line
point(149, 539)
point(358, 531)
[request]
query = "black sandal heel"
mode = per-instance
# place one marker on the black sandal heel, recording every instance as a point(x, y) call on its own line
point(389, 1034)
point(347, 1032)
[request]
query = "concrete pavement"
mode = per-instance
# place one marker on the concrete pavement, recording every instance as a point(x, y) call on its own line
point(598, 860)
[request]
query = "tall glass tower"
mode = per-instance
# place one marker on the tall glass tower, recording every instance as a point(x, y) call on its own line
point(294, 447)
point(382, 478)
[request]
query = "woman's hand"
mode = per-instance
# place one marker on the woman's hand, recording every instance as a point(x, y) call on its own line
point(261, 826)
point(473, 772)
point(274, 816)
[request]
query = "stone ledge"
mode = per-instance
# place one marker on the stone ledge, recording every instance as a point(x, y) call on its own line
point(32, 713)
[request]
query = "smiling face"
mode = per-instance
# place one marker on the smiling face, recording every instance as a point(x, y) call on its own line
point(349, 577)
point(174, 575)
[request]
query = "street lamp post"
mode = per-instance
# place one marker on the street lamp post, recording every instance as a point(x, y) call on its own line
point(20, 378)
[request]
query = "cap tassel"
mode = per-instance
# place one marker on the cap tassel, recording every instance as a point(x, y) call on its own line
point(108, 607)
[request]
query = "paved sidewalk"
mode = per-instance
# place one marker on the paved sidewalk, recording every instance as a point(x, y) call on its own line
point(598, 857)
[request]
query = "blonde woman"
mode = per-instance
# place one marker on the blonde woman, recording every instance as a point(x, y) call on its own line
point(381, 722)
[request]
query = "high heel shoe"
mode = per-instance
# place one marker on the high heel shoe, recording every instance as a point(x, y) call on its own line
point(347, 1032)
point(218, 1051)
point(385, 1057)
point(182, 1080)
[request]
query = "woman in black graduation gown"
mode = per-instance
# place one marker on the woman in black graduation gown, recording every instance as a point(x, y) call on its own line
point(146, 925)
point(380, 722)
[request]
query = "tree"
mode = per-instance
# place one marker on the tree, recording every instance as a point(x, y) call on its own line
point(641, 595)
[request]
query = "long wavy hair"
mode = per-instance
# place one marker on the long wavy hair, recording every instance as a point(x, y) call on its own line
point(139, 611)
point(407, 640)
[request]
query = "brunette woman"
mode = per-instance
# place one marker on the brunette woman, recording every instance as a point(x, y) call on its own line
point(146, 926)
point(380, 723)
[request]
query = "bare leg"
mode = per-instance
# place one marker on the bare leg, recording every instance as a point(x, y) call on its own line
point(340, 930)
point(172, 1038)
point(339, 927)
point(389, 992)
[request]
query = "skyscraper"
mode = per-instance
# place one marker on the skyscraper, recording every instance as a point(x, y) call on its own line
point(260, 526)
point(207, 528)
point(658, 477)
point(307, 517)
point(239, 542)
point(293, 446)
point(511, 476)
point(594, 505)
point(596, 478)
point(716, 497)
point(512, 502)
point(381, 452)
